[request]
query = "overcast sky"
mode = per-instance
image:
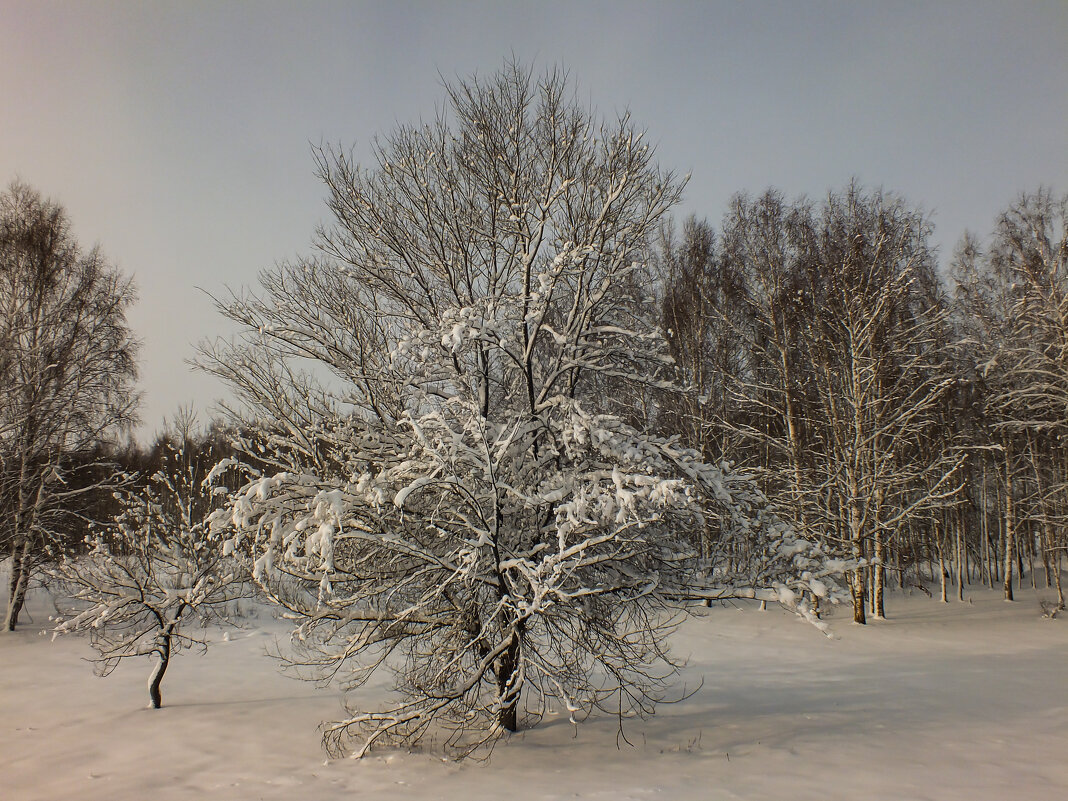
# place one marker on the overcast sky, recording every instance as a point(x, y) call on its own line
point(178, 134)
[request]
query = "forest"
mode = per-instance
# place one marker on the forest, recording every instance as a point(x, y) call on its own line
point(511, 423)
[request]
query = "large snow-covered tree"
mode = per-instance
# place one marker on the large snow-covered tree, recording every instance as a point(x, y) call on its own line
point(441, 490)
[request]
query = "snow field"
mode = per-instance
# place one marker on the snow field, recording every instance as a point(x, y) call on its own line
point(963, 701)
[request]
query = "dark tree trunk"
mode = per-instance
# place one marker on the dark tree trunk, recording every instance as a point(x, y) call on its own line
point(962, 554)
point(22, 551)
point(164, 652)
point(940, 551)
point(156, 679)
point(507, 686)
point(20, 579)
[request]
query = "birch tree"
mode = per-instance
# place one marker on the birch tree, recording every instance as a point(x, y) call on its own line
point(764, 243)
point(444, 495)
point(881, 373)
point(846, 371)
point(1013, 301)
point(67, 365)
point(704, 320)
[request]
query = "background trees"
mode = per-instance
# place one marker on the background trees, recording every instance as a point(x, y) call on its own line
point(67, 364)
point(876, 343)
point(709, 335)
point(1012, 301)
point(457, 502)
point(922, 431)
point(824, 329)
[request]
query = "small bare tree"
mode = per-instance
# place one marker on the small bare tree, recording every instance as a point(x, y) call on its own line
point(144, 581)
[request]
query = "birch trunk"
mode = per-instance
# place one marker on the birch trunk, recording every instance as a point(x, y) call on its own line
point(879, 578)
point(962, 561)
point(860, 579)
point(1010, 525)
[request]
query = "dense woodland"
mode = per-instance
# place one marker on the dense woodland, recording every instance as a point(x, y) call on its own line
point(909, 411)
point(510, 419)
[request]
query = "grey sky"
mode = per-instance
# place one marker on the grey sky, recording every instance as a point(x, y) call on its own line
point(177, 134)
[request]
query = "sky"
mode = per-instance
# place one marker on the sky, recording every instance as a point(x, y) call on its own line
point(179, 135)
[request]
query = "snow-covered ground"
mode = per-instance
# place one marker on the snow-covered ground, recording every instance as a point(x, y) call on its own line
point(965, 701)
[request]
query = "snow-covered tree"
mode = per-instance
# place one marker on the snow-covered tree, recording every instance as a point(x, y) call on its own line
point(67, 363)
point(144, 581)
point(445, 495)
point(842, 370)
point(1012, 300)
point(878, 348)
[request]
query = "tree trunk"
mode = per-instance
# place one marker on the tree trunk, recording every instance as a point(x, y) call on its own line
point(898, 563)
point(856, 536)
point(1047, 544)
point(795, 443)
point(879, 579)
point(984, 535)
point(962, 557)
point(941, 563)
point(164, 652)
point(860, 591)
point(22, 551)
point(508, 688)
point(154, 681)
point(1031, 540)
point(1056, 560)
point(20, 580)
point(1010, 529)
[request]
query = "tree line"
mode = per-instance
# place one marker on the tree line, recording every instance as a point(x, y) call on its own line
point(506, 424)
point(911, 416)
